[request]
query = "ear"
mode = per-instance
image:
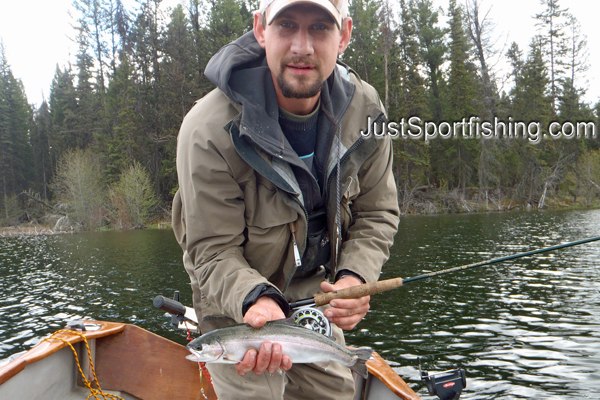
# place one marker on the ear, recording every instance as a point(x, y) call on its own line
point(346, 34)
point(259, 29)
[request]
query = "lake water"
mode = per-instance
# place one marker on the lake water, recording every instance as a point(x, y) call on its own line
point(522, 329)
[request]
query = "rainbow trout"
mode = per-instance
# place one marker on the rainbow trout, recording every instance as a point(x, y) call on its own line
point(229, 345)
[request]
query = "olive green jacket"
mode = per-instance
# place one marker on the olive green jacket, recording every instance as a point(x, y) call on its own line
point(239, 202)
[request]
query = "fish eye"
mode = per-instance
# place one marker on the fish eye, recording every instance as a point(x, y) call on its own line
point(198, 347)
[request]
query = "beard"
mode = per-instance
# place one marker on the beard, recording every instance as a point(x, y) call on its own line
point(306, 88)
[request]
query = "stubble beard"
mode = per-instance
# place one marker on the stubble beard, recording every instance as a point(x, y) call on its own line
point(305, 90)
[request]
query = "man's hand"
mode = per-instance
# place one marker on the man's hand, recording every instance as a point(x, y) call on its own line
point(346, 313)
point(270, 357)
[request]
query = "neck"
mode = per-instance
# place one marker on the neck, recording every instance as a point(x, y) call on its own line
point(296, 106)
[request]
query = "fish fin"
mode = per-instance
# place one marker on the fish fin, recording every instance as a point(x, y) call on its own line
point(288, 321)
point(363, 354)
point(226, 361)
point(225, 358)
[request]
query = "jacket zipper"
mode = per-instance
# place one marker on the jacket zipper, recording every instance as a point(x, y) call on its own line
point(297, 258)
point(347, 154)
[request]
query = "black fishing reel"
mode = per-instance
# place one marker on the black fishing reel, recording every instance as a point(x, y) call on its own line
point(447, 385)
point(313, 319)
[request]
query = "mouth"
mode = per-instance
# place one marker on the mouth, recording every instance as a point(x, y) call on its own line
point(196, 356)
point(300, 69)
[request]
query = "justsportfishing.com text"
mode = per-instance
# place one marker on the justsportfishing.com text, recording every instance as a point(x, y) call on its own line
point(474, 128)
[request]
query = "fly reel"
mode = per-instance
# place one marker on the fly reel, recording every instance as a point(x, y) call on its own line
point(313, 319)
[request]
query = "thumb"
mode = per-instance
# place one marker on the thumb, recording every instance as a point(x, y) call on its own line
point(327, 287)
point(256, 320)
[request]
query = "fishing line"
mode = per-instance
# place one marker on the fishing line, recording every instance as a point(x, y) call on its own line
point(366, 289)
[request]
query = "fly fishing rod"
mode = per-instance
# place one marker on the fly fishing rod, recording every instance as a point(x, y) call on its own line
point(368, 289)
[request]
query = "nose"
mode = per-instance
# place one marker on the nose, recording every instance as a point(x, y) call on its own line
point(302, 44)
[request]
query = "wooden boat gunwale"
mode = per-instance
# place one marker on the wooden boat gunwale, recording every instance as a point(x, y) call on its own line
point(46, 348)
point(129, 359)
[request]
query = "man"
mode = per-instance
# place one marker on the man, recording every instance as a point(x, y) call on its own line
point(261, 213)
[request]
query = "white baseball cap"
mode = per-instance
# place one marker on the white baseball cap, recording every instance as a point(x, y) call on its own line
point(338, 9)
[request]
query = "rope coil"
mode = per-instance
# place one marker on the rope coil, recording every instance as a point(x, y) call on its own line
point(94, 392)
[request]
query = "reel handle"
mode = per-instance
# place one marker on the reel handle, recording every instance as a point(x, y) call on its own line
point(171, 306)
point(356, 292)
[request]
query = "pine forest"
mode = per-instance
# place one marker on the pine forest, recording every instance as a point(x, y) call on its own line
point(100, 150)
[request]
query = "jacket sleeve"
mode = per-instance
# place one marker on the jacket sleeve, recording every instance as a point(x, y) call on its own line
point(208, 212)
point(374, 216)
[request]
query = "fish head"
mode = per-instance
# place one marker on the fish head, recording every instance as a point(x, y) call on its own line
point(203, 351)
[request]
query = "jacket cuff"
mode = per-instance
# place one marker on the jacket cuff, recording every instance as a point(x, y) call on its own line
point(346, 272)
point(268, 291)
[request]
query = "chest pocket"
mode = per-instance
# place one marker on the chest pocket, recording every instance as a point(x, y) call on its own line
point(267, 230)
point(265, 207)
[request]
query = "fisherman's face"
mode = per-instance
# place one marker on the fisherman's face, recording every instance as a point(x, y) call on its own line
point(302, 45)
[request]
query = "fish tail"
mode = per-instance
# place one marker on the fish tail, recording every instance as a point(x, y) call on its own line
point(363, 354)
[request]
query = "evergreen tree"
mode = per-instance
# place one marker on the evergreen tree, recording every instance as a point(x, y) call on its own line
point(480, 28)
point(88, 111)
point(433, 48)
point(63, 112)
point(118, 22)
point(531, 102)
point(462, 79)
point(410, 156)
point(363, 54)
point(413, 97)
point(147, 38)
point(552, 22)
point(16, 157)
point(181, 78)
point(515, 57)
point(92, 22)
point(388, 36)
point(40, 142)
point(461, 96)
point(125, 142)
point(227, 21)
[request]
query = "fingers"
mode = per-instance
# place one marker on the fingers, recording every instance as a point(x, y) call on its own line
point(351, 304)
point(348, 313)
point(247, 364)
point(276, 358)
point(286, 363)
point(270, 358)
point(263, 359)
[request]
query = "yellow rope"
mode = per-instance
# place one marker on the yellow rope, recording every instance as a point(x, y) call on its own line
point(88, 384)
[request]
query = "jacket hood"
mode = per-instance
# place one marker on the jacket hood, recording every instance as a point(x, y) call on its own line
point(245, 51)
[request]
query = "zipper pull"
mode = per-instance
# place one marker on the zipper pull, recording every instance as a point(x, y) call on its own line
point(297, 258)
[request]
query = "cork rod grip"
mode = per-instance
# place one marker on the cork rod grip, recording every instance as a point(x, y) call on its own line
point(355, 292)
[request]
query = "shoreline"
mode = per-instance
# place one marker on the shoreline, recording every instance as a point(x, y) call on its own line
point(433, 207)
point(18, 231)
point(39, 230)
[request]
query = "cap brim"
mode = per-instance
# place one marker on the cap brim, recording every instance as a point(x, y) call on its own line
point(278, 6)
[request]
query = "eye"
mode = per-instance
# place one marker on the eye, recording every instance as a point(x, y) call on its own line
point(198, 347)
point(286, 24)
point(320, 27)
